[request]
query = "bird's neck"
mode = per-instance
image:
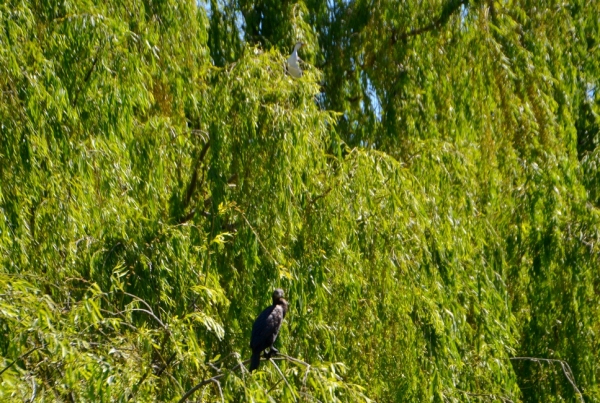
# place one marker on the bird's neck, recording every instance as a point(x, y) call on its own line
point(283, 304)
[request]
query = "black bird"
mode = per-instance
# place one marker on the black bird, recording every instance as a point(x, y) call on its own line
point(266, 328)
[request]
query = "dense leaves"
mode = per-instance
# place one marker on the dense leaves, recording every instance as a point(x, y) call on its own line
point(426, 195)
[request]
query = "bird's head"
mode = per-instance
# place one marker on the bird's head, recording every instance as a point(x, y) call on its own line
point(277, 295)
point(299, 45)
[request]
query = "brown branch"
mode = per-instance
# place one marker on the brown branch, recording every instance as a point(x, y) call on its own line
point(449, 9)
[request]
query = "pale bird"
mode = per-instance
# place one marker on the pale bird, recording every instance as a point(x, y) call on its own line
point(293, 65)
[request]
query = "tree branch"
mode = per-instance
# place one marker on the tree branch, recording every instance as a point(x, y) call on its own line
point(20, 358)
point(449, 9)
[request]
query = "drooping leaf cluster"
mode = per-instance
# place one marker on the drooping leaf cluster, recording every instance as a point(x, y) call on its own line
point(426, 195)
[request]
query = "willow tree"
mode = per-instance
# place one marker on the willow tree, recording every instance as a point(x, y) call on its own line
point(426, 195)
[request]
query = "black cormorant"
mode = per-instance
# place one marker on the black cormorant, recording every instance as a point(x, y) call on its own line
point(266, 328)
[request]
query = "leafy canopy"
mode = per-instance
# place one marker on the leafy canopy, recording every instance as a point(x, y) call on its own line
point(426, 195)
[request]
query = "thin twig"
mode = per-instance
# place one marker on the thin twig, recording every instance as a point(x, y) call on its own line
point(273, 387)
point(325, 193)
point(149, 311)
point(207, 381)
point(257, 237)
point(220, 390)
point(565, 368)
point(305, 376)
point(152, 315)
point(139, 299)
point(284, 379)
point(490, 395)
point(294, 360)
point(198, 386)
point(166, 364)
point(34, 387)
point(175, 381)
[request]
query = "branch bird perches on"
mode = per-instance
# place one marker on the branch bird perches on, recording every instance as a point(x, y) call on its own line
point(215, 379)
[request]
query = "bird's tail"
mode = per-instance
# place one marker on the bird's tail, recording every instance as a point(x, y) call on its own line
point(255, 360)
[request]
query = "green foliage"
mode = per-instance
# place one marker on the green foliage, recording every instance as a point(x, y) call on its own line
point(426, 195)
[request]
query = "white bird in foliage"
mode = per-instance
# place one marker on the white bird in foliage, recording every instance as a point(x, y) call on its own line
point(293, 67)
